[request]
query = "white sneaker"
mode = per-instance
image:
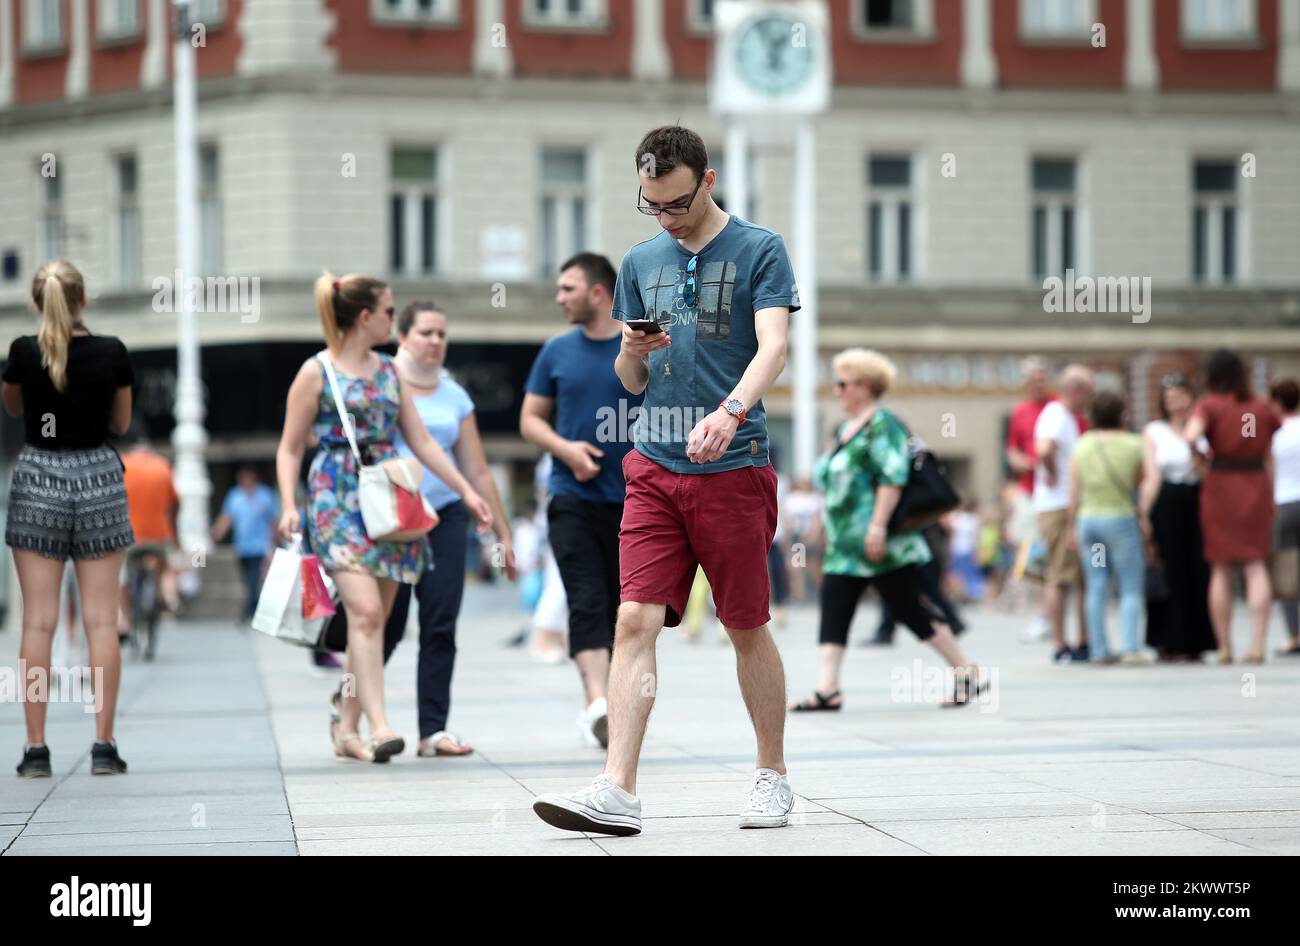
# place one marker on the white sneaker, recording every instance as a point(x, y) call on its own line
point(1037, 631)
point(602, 808)
point(593, 724)
point(770, 801)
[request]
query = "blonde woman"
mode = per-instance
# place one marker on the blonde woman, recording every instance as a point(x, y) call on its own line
point(356, 314)
point(863, 479)
point(67, 499)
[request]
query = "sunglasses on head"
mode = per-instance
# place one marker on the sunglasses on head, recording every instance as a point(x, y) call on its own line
point(692, 285)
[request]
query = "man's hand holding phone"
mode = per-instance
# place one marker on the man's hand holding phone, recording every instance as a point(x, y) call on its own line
point(642, 336)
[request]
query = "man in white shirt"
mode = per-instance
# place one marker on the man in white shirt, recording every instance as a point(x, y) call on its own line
point(1055, 433)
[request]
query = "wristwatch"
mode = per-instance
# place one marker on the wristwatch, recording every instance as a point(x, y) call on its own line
point(735, 408)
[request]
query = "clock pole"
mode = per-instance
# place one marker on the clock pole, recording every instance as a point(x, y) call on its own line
point(737, 168)
point(804, 380)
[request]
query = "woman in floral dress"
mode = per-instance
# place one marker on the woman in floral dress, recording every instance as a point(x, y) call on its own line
point(356, 313)
point(863, 479)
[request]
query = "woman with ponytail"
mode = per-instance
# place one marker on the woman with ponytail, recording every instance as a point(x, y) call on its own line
point(67, 499)
point(356, 314)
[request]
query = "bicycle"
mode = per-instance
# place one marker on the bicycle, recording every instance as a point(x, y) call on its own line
point(144, 567)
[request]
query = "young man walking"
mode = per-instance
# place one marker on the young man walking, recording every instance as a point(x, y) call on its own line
point(574, 377)
point(700, 489)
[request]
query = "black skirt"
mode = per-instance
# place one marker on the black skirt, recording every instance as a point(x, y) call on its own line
point(1180, 625)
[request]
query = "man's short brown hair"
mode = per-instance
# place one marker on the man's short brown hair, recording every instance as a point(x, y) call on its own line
point(668, 147)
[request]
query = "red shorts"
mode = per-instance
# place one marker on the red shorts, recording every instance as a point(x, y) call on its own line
point(724, 522)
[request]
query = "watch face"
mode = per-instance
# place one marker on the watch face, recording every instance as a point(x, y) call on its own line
point(773, 55)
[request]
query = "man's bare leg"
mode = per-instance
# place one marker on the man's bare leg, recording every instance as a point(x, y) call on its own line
point(762, 684)
point(633, 680)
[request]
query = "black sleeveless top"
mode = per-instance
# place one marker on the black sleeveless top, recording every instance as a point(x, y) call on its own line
point(76, 418)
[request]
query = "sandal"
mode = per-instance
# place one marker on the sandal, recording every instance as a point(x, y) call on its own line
point(334, 720)
point(1290, 650)
point(818, 703)
point(430, 747)
point(962, 692)
point(1253, 659)
point(381, 750)
point(341, 743)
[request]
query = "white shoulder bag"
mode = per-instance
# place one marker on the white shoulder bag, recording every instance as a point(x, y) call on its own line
point(392, 506)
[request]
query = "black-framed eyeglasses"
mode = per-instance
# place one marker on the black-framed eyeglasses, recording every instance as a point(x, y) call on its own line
point(391, 310)
point(840, 385)
point(676, 209)
point(692, 293)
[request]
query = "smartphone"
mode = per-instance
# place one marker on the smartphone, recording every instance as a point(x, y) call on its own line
point(649, 326)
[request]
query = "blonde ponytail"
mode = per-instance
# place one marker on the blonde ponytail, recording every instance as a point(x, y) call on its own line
point(340, 301)
point(59, 291)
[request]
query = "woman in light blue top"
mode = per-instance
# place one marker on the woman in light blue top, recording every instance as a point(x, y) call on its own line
point(448, 413)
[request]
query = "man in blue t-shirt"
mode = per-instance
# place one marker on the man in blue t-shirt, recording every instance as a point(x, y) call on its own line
point(251, 511)
point(706, 305)
point(574, 377)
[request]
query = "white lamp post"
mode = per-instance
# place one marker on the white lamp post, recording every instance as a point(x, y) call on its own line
point(189, 438)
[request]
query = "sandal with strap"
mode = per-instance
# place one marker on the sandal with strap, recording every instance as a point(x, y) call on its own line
point(819, 703)
point(429, 748)
point(341, 743)
point(963, 693)
point(381, 750)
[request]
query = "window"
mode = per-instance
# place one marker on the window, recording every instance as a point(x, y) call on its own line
point(42, 25)
point(1218, 19)
point(1215, 216)
point(211, 234)
point(414, 211)
point(889, 218)
point(119, 19)
point(53, 226)
point(1053, 216)
point(564, 207)
point(208, 12)
point(887, 14)
point(127, 230)
point(1055, 19)
point(699, 16)
point(564, 12)
point(417, 11)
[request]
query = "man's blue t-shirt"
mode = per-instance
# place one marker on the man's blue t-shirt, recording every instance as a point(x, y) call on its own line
point(742, 270)
point(591, 405)
point(252, 519)
point(442, 410)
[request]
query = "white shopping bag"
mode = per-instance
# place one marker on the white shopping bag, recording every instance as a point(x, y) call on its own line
point(279, 606)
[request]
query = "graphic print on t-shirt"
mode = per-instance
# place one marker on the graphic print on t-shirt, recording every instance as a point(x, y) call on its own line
point(666, 298)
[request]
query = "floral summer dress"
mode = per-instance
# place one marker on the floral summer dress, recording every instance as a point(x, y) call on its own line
point(337, 532)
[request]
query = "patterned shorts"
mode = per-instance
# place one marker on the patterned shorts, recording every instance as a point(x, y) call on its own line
point(68, 503)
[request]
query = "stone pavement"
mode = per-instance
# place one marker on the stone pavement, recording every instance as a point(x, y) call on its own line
point(226, 738)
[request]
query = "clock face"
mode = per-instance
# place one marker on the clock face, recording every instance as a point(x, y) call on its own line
point(773, 55)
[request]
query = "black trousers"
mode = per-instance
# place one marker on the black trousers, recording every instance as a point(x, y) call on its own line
point(439, 593)
point(584, 537)
point(900, 589)
point(942, 609)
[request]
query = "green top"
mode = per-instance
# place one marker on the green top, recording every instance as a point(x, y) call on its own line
point(877, 455)
point(1103, 490)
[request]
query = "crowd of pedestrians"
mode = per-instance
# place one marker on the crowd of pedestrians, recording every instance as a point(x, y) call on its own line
point(632, 534)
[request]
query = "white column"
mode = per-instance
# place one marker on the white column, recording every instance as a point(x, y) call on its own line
point(8, 53)
point(737, 169)
point(280, 36)
point(491, 43)
point(1139, 379)
point(77, 83)
point(979, 67)
point(1288, 60)
point(1140, 70)
point(153, 64)
point(805, 320)
point(189, 438)
point(650, 58)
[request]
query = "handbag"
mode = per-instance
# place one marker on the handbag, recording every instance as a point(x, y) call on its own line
point(927, 495)
point(280, 611)
point(388, 493)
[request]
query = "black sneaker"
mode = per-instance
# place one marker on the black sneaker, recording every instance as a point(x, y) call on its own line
point(1063, 656)
point(36, 762)
point(104, 759)
point(1080, 653)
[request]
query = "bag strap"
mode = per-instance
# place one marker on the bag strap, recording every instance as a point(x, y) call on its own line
point(1110, 471)
point(344, 419)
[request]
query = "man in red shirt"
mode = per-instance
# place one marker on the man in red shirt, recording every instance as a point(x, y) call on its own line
point(1020, 432)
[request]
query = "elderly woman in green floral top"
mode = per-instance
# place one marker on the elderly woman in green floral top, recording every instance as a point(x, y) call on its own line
point(863, 478)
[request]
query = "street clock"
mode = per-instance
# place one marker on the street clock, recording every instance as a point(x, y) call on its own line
point(770, 57)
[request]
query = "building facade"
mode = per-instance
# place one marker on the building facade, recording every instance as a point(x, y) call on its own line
point(463, 148)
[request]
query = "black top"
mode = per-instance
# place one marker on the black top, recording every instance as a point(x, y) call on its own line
point(76, 418)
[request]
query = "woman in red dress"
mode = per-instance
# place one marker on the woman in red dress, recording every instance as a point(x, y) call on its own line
point(1236, 496)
